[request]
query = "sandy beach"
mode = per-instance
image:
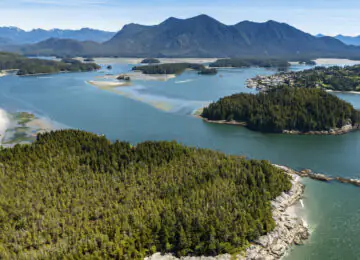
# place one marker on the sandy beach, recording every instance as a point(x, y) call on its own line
point(106, 84)
point(138, 75)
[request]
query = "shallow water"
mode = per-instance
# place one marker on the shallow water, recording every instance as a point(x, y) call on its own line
point(161, 111)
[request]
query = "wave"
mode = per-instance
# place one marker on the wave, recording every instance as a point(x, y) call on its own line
point(183, 81)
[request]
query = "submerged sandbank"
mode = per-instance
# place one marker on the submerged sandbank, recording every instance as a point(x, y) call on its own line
point(23, 127)
point(107, 84)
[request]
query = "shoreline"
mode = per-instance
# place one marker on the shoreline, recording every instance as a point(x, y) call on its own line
point(343, 92)
point(290, 229)
point(337, 131)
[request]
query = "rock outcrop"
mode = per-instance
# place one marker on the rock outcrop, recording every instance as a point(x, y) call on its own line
point(347, 128)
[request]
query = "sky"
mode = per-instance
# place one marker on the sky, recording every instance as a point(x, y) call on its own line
point(329, 17)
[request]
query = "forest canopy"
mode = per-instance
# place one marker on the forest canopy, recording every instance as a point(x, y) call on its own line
point(285, 108)
point(244, 63)
point(174, 68)
point(26, 66)
point(150, 61)
point(76, 195)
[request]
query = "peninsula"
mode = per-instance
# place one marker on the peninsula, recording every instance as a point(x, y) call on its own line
point(175, 68)
point(246, 63)
point(182, 200)
point(286, 110)
point(334, 78)
point(26, 66)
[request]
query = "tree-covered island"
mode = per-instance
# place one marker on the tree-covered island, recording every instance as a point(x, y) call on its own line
point(329, 78)
point(174, 68)
point(26, 66)
point(286, 110)
point(150, 61)
point(246, 63)
point(76, 195)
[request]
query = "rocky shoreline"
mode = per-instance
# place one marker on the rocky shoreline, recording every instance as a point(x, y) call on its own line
point(289, 230)
point(325, 178)
point(224, 122)
point(336, 131)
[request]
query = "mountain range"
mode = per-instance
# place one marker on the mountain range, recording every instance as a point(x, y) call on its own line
point(349, 40)
point(16, 35)
point(200, 36)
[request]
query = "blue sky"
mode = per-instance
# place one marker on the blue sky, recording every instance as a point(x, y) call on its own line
point(314, 16)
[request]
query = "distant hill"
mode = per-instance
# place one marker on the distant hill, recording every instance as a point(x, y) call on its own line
point(5, 41)
point(203, 36)
point(349, 40)
point(19, 36)
point(59, 47)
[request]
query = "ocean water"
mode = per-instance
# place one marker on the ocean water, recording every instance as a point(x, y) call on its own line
point(156, 110)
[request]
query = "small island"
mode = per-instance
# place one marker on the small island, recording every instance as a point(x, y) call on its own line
point(150, 61)
point(174, 68)
point(336, 78)
point(26, 66)
point(246, 63)
point(286, 110)
point(307, 62)
point(89, 60)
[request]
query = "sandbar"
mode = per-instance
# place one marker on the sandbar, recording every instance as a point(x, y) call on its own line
point(322, 61)
point(107, 84)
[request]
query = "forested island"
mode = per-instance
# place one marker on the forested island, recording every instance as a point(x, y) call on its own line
point(150, 61)
point(74, 194)
point(334, 78)
point(246, 63)
point(27, 66)
point(175, 68)
point(286, 110)
point(307, 62)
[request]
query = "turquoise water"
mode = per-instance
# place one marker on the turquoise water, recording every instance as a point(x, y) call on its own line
point(333, 210)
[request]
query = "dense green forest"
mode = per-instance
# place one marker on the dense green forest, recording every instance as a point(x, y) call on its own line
point(244, 63)
point(174, 68)
point(285, 108)
point(28, 66)
point(150, 61)
point(76, 195)
point(208, 71)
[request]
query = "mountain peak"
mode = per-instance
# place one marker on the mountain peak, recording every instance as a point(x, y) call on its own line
point(203, 18)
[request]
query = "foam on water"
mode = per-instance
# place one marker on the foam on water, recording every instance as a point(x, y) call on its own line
point(4, 123)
